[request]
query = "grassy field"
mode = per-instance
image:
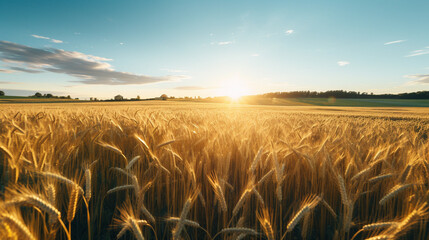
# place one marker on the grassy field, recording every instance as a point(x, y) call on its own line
point(177, 170)
point(342, 102)
point(264, 101)
point(18, 99)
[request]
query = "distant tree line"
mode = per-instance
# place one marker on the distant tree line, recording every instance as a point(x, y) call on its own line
point(49, 95)
point(346, 94)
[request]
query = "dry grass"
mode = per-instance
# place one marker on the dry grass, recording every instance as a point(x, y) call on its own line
point(205, 171)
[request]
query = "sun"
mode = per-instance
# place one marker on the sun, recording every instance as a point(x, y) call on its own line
point(234, 89)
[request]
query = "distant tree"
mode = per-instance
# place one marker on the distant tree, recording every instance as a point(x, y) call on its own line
point(138, 97)
point(37, 94)
point(119, 98)
point(91, 99)
point(49, 95)
point(68, 97)
point(164, 96)
point(1, 93)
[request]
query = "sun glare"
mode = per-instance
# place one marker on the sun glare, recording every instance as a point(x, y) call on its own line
point(234, 89)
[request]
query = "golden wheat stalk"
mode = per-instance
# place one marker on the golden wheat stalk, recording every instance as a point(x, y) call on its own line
point(214, 182)
point(88, 190)
point(361, 173)
point(62, 179)
point(147, 213)
point(378, 225)
point(379, 178)
point(71, 210)
point(241, 230)
point(35, 200)
point(128, 174)
point(309, 204)
point(186, 222)
point(241, 201)
point(256, 160)
point(134, 225)
point(264, 220)
point(381, 237)
point(393, 192)
point(113, 148)
point(122, 232)
point(18, 226)
point(165, 144)
point(120, 188)
point(298, 216)
point(51, 192)
point(186, 208)
point(266, 177)
point(342, 188)
point(132, 162)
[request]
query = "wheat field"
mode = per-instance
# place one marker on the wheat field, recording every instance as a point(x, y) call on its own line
point(212, 171)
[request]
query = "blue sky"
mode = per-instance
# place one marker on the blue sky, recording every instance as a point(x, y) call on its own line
point(211, 48)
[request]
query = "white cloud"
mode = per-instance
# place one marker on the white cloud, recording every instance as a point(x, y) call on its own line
point(41, 37)
point(190, 88)
point(47, 38)
point(121, 43)
point(224, 43)
point(6, 71)
point(2, 82)
point(289, 32)
point(419, 78)
point(343, 63)
point(418, 52)
point(255, 55)
point(88, 68)
point(174, 70)
point(56, 41)
point(393, 42)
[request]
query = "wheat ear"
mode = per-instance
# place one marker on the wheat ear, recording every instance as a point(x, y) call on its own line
point(136, 229)
point(20, 228)
point(71, 210)
point(393, 192)
point(379, 225)
point(88, 184)
point(186, 222)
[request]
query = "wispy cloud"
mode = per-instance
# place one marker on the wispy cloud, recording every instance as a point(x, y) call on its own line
point(418, 78)
point(343, 63)
point(418, 52)
point(6, 71)
point(174, 70)
point(47, 38)
point(393, 42)
point(56, 41)
point(121, 43)
point(88, 68)
point(3, 82)
point(190, 88)
point(224, 43)
point(41, 37)
point(21, 92)
point(27, 70)
point(255, 55)
point(289, 32)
